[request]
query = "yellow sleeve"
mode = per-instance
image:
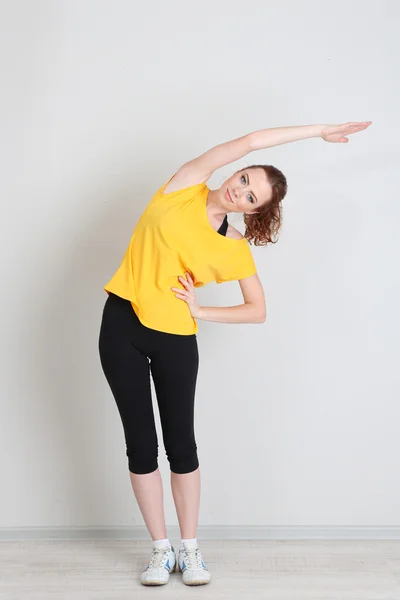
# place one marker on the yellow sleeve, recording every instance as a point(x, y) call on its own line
point(239, 265)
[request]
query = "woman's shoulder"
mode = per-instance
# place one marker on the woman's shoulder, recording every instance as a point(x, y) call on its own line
point(234, 233)
point(183, 179)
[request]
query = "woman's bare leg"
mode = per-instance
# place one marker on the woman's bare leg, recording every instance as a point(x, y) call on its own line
point(186, 493)
point(148, 491)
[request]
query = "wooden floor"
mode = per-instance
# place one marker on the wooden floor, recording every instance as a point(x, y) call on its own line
point(280, 570)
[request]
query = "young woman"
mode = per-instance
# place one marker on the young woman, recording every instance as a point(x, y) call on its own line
point(183, 241)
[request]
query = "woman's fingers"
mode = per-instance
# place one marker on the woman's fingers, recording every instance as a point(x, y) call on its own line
point(188, 276)
point(180, 293)
point(338, 133)
point(183, 282)
point(187, 284)
point(356, 126)
point(184, 294)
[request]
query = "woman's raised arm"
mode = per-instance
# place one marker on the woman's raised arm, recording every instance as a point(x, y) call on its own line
point(266, 138)
point(201, 168)
point(219, 156)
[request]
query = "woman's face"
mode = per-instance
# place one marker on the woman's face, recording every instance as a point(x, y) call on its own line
point(246, 191)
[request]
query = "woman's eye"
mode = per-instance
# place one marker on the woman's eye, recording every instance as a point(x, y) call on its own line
point(250, 197)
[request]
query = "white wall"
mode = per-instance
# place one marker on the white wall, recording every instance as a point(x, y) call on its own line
point(296, 419)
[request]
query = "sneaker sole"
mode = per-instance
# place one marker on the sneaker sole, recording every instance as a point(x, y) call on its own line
point(158, 582)
point(196, 581)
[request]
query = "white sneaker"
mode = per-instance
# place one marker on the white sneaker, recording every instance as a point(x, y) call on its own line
point(162, 563)
point(191, 565)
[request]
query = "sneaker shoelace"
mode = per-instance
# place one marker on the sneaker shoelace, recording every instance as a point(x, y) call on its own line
point(158, 557)
point(193, 558)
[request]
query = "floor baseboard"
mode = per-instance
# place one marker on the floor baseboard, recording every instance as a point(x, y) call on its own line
point(222, 532)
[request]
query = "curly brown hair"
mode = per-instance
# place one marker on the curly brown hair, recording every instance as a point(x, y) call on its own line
point(263, 227)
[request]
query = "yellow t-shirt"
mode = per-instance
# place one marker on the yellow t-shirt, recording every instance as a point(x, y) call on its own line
point(174, 236)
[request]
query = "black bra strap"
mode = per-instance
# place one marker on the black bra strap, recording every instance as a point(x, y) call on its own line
point(224, 226)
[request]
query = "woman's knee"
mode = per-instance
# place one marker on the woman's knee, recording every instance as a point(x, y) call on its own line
point(141, 462)
point(183, 459)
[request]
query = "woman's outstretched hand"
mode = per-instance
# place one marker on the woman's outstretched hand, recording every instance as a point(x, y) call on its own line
point(337, 133)
point(188, 295)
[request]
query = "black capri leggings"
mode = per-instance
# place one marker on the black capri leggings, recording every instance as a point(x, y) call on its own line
point(129, 351)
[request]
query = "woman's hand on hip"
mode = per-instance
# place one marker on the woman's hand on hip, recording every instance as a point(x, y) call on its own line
point(188, 295)
point(337, 133)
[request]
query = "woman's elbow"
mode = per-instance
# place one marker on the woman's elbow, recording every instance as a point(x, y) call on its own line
point(261, 316)
point(257, 313)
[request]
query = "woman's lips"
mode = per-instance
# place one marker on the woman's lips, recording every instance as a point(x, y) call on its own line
point(228, 195)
